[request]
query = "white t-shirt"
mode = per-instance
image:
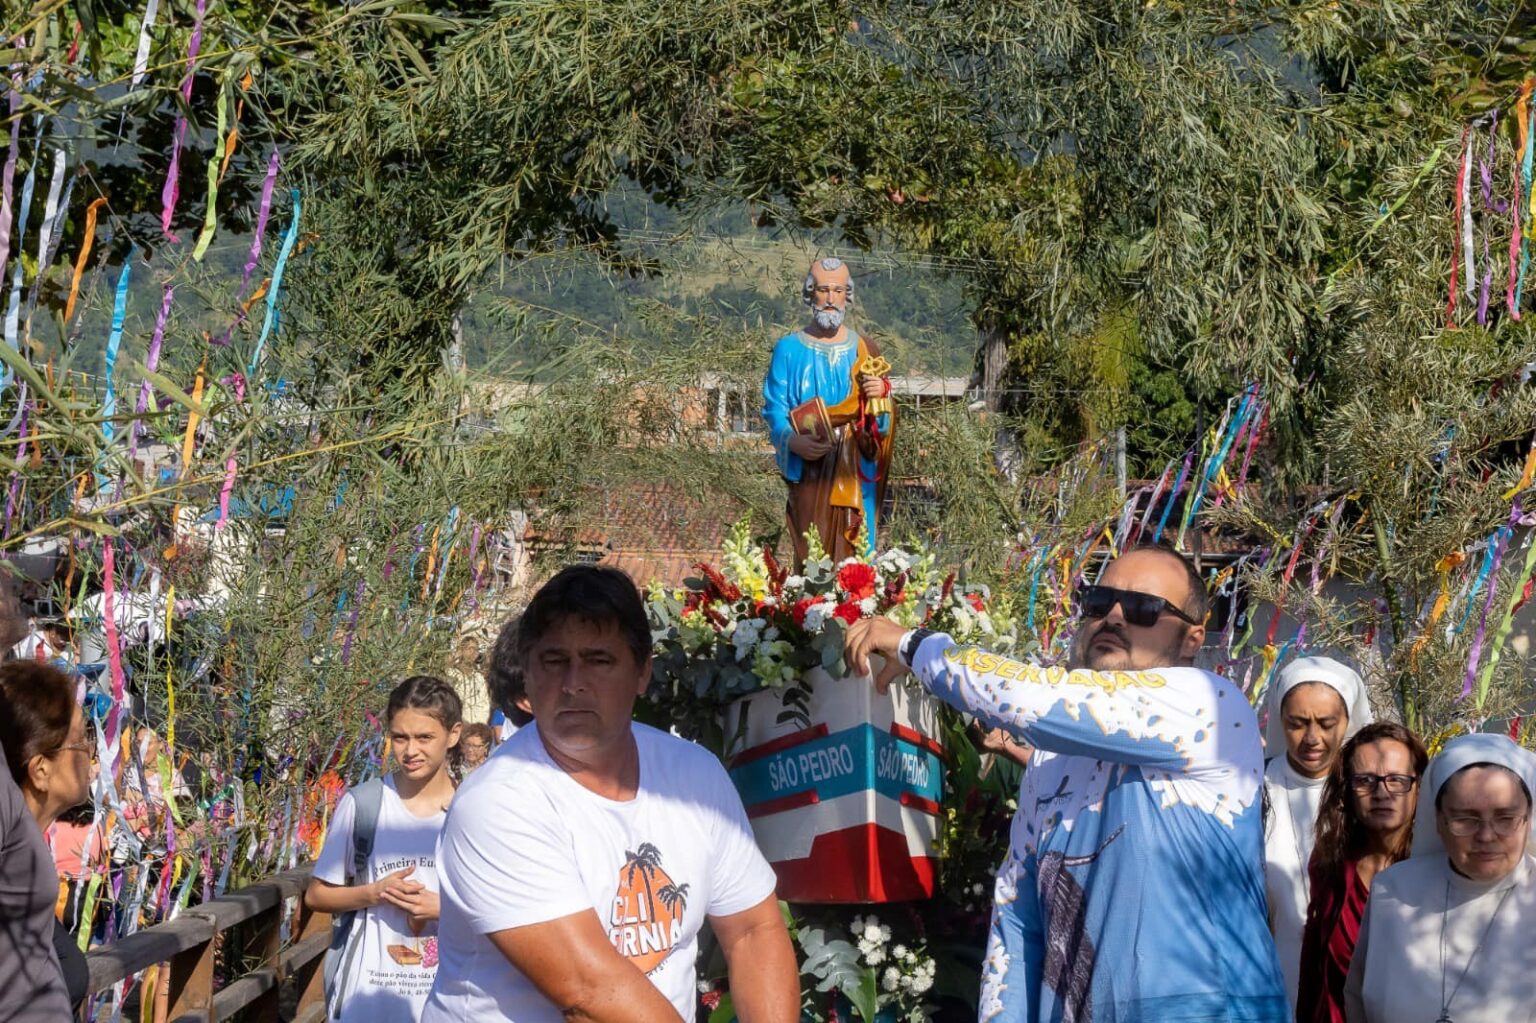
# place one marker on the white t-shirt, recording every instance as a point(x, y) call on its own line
point(525, 844)
point(394, 968)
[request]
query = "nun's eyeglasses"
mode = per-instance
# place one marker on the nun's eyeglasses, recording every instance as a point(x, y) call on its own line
point(1396, 784)
point(1504, 825)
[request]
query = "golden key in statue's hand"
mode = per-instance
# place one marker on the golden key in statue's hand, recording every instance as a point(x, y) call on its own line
point(875, 367)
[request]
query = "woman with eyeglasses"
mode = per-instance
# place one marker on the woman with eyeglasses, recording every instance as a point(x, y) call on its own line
point(1364, 825)
point(1315, 704)
point(42, 732)
point(1447, 933)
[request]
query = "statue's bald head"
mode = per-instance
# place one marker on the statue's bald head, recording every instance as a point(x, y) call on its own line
point(828, 291)
point(828, 272)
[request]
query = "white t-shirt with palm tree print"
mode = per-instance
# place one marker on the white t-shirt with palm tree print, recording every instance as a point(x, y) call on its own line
point(525, 844)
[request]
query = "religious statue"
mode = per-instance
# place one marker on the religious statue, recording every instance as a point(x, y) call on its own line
point(827, 402)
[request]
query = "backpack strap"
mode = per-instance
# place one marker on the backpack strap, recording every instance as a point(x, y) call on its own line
point(367, 802)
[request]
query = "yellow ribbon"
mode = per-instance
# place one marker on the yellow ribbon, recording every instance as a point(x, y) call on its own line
point(1526, 477)
point(1271, 654)
point(1443, 568)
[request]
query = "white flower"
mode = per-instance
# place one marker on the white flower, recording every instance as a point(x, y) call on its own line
point(816, 616)
point(858, 925)
point(872, 930)
point(705, 987)
point(748, 631)
point(867, 605)
point(978, 888)
point(921, 984)
point(891, 978)
point(885, 933)
point(794, 582)
point(899, 952)
point(875, 956)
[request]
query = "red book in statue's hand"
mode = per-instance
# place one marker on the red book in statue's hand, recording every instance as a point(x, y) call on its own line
point(811, 420)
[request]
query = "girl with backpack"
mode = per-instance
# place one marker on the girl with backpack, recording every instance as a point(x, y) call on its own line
point(376, 872)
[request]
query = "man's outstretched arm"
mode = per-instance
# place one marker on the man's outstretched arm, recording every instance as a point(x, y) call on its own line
point(765, 981)
point(571, 962)
point(1164, 718)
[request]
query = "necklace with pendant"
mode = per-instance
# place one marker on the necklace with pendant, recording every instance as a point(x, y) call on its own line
point(1445, 1000)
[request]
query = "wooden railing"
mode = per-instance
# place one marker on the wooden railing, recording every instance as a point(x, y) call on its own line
point(244, 930)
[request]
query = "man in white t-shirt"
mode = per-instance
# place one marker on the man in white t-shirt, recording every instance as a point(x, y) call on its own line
point(579, 863)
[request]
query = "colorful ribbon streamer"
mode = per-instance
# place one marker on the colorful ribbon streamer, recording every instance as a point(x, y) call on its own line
point(8, 183)
point(270, 322)
point(114, 342)
point(1506, 623)
point(210, 213)
point(1500, 542)
point(86, 243)
point(172, 188)
point(262, 212)
point(141, 58)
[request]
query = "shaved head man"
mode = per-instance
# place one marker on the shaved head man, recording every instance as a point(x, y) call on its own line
point(1133, 887)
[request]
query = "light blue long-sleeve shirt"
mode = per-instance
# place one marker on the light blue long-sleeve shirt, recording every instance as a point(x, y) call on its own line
point(1133, 890)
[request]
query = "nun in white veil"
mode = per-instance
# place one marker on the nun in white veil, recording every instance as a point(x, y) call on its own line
point(1448, 933)
point(1314, 706)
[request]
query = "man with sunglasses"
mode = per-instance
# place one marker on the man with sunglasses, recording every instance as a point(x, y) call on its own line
point(1133, 888)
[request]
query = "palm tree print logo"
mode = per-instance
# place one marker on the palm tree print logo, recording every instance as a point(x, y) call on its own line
point(646, 921)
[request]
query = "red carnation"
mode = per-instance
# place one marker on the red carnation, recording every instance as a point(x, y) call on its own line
point(849, 611)
point(857, 580)
point(711, 1000)
point(975, 600)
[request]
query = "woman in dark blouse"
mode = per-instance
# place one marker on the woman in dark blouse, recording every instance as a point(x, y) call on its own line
point(44, 745)
point(1364, 825)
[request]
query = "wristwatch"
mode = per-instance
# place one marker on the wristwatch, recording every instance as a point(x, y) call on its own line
point(909, 644)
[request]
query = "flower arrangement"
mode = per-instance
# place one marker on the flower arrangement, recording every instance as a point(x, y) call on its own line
point(882, 979)
point(752, 624)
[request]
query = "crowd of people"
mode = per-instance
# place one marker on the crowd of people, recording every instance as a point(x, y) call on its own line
point(1167, 860)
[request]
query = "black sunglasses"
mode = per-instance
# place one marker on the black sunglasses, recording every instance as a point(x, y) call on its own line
point(1141, 609)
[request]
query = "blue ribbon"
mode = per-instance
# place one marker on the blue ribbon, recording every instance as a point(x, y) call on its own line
point(119, 313)
point(270, 323)
point(1173, 495)
point(1490, 554)
point(1220, 458)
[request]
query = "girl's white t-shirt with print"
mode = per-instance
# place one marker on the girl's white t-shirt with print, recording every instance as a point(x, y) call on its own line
point(394, 968)
point(525, 844)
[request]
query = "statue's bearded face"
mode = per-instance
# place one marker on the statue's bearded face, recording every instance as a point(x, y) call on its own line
point(829, 296)
point(829, 318)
